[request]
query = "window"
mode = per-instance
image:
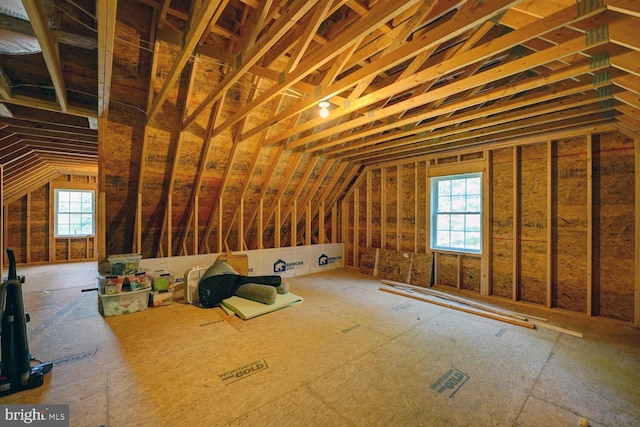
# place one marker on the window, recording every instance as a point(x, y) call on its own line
point(456, 213)
point(74, 212)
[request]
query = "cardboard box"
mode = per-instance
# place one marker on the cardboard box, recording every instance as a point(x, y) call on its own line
point(240, 262)
point(123, 302)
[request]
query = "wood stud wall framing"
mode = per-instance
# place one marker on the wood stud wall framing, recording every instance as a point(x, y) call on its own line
point(564, 218)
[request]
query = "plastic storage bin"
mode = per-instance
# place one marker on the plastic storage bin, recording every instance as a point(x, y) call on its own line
point(123, 302)
point(158, 299)
point(124, 263)
point(162, 280)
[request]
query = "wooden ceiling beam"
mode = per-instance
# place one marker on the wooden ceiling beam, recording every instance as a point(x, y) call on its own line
point(162, 12)
point(481, 52)
point(509, 132)
point(464, 123)
point(197, 27)
point(629, 98)
point(425, 42)
point(511, 68)
point(623, 32)
point(630, 111)
point(308, 32)
point(437, 10)
point(54, 128)
point(293, 13)
point(42, 104)
point(256, 27)
point(49, 48)
point(380, 13)
point(628, 82)
point(5, 84)
point(20, 26)
point(106, 38)
point(496, 94)
point(627, 7)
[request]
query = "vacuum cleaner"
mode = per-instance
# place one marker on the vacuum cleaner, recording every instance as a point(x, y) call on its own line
point(17, 370)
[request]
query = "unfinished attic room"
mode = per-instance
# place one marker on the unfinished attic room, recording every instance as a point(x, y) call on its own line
point(320, 213)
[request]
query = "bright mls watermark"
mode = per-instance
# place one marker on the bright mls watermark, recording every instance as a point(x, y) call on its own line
point(34, 415)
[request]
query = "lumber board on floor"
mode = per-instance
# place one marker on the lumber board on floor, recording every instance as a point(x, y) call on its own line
point(460, 307)
point(462, 300)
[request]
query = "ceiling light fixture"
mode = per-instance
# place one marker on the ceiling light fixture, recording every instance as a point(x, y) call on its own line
point(324, 109)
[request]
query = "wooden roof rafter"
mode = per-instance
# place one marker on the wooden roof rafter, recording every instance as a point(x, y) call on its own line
point(253, 164)
point(517, 107)
point(406, 124)
point(106, 39)
point(50, 53)
point(532, 130)
point(465, 19)
point(293, 12)
point(572, 107)
point(317, 58)
point(231, 158)
point(516, 66)
point(197, 27)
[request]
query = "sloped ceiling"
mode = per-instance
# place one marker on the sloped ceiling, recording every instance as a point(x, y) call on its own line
point(402, 77)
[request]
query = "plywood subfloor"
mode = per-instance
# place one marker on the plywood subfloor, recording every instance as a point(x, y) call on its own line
point(349, 355)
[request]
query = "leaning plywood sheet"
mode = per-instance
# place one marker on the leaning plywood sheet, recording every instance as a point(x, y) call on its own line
point(421, 269)
point(247, 309)
point(368, 259)
point(394, 265)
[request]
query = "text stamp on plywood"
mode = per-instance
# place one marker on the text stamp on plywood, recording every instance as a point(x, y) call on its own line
point(451, 381)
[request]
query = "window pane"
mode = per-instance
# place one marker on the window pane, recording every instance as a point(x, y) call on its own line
point(443, 238)
point(457, 222)
point(63, 219)
point(457, 239)
point(75, 196)
point(444, 204)
point(444, 222)
point(474, 185)
point(444, 188)
point(473, 222)
point(458, 186)
point(87, 207)
point(63, 229)
point(458, 204)
point(474, 203)
point(473, 240)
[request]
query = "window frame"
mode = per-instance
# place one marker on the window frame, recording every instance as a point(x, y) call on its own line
point(56, 213)
point(434, 204)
